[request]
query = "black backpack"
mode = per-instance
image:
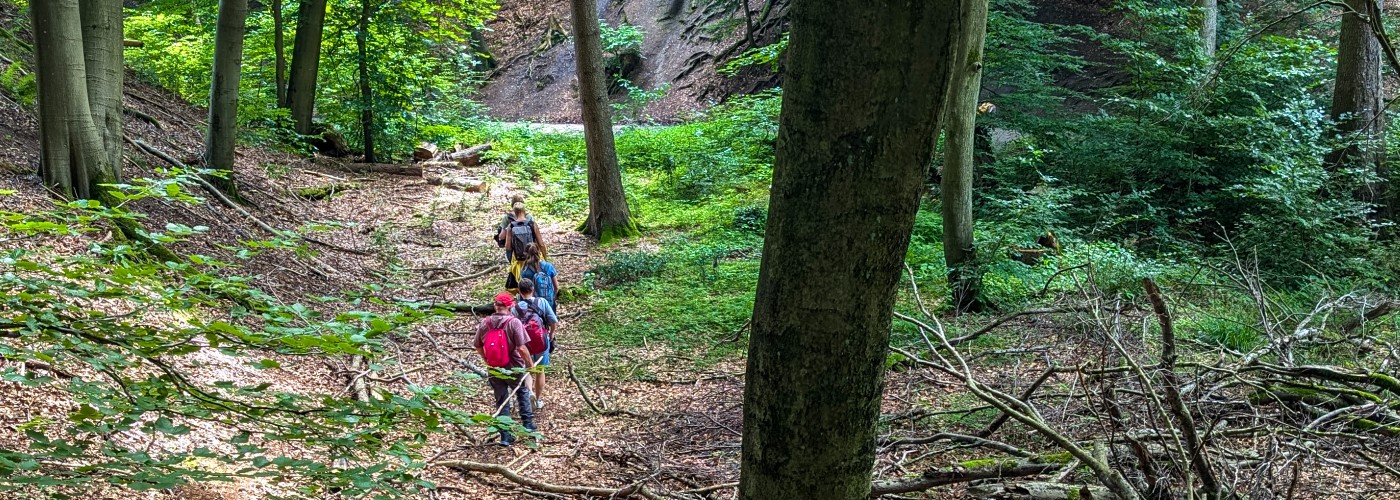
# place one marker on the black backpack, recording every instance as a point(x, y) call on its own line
point(522, 234)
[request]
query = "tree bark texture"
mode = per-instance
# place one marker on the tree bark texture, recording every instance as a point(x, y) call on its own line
point(608, 215)
point(223, 94)
point(960, 113)
point(1356, 99)
point(306, 61)
point(1210, 26)
point(861, 102)
point(366, 89)
point(103, 47)
point(73, 159)
point(279, 49)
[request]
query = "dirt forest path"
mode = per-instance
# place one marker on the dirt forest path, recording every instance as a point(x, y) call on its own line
point(683, 431)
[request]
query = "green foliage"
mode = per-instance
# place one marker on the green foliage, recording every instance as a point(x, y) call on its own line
point(632, 108)
point(122, 330)
point(769, 56)
point(624, 40)
point(21, 84)
point(421, 67)
point(627, 267)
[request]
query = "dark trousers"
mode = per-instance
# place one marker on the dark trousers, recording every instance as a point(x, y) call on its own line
point(501, 388)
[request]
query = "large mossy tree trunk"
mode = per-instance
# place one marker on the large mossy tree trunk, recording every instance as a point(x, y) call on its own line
point(306, 61)
point(608, 215)
point(1356, 102)
point(105, 74)
point(861, 102)
point(279, 50)
point(958, 162)
point(223, 93)
point(366, 88)
point(74, 159)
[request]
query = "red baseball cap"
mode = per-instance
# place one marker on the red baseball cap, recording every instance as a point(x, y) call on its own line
point(505, 299)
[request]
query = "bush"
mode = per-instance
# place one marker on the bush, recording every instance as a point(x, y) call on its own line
point(627, 267)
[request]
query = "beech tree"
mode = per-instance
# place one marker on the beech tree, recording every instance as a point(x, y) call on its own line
point(279, 49)
point(306, 61)
point(958, 163)
point(1356, 99)
point(1210, 24)
point(366, 89)
point(78, 56)
point(223, 94)
point(861, 103)
point(608, 215)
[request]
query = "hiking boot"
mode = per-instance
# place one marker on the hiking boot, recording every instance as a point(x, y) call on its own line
point(539, 404)
point(507, 439)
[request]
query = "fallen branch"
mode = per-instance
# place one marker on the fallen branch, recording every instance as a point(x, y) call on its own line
point(964, 439)
point(1040, 491)
point(635, 490)
point(336, 247)
point(469, 184)
point(464, 363)
point(1371, 315)
point(381, 168)
point(942, 477)
point(458, 279)
point(589, 401)
point(1172, 387)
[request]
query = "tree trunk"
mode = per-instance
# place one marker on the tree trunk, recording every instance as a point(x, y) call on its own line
point(279, 48)
point(1356, 101)
point(73, 158)
point(608, 215)
point(1210, 24)
point(223, 94)
point(960, 111)
point(103, 48)
point(306, 61)
point(861, 102)
point(366, 90)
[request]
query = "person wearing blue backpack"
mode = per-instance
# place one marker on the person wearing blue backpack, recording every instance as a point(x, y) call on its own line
point(540, 321)
point(541, 272)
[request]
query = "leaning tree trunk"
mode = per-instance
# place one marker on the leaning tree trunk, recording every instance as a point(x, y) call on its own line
point(306, 61)
point(1356, 100)
point(279, 49)
point(960, 138)
point(366, 90)
point(73, 158)
point(223, 94)
point(1210, 25)
point(862, 95)
point(608, 215)
point(105, 74)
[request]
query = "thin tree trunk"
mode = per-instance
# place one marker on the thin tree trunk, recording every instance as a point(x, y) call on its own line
point(960, 137)
point(223, 94)
point(865, 84)
point(366, 90)
point(279, 47)
point(1356, 101)
point(608, 215)
point(73, 159)
point(105, 75)
point(306, 61)
point(1210, 23)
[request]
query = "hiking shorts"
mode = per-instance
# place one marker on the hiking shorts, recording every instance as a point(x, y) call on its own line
point(543, 359)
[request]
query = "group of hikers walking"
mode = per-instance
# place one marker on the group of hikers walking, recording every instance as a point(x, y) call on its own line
point(517, 339)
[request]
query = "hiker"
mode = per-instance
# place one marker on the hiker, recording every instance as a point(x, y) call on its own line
point(544, 275)
point(506, 219)
point(540, 321)
point(518, 234)
point(501, 342)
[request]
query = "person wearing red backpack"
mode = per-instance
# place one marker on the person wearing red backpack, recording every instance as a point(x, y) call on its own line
point(502, 343)
point(540, 321)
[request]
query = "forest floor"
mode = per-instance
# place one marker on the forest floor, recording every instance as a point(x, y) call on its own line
point(662, 415)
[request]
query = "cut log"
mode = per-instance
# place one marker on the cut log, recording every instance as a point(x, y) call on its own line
point(133, 43)
point(469, 157)
point(440, 164)
point(425, 151)
point(469, 184)
point(381, 168)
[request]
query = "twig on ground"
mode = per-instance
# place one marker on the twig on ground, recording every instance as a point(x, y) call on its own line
point(583, 391)
point(459, 279)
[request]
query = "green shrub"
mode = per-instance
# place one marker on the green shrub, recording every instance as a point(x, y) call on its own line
point(627, 267)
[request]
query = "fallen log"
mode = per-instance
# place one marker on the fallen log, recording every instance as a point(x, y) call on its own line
point(469, 184)
point(972, 471)
point(380, 168)
point(317, 193)
point(133, 43)
point(425, 151)
point(1040, 491)
point(440, 164)
point(469, 157)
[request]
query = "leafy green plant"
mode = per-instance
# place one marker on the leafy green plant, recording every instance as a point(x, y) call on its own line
point(627, 267)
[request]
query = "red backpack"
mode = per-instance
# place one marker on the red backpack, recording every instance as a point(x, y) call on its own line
point(495, 345)
point(534, 330)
